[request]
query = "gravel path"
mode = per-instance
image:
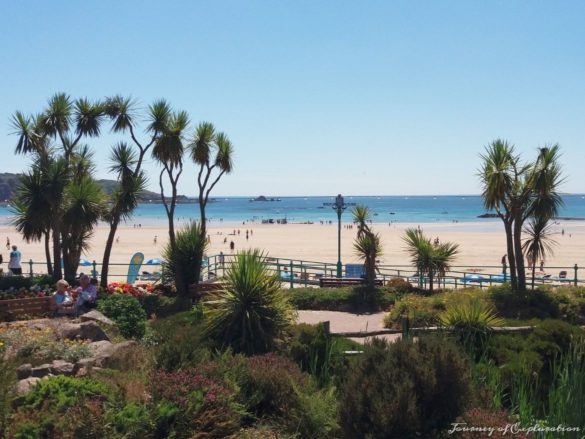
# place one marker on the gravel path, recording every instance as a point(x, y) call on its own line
point(348, 322)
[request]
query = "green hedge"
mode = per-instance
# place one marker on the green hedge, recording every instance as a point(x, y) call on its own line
point(341, 299)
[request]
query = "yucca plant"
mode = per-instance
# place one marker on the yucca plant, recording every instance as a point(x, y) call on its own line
point(251, 312)
point(182, 264)
point(471, 320)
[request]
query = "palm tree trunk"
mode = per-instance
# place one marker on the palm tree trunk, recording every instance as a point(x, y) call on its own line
point(520, 267)
point(108, 250)
point(57, 273)
point(431, 280)
point(511, 258)
point(48, 252)
point(202, 205)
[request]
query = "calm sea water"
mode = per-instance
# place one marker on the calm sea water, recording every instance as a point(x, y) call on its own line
point(402, 209)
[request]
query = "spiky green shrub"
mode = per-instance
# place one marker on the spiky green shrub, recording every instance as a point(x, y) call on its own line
point(183, 262)
point(472, 321)
point(404, 390)
point(251, 312)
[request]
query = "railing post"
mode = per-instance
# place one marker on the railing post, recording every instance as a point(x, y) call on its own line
point(405, 323)
point(576, 278)
point(94, 270)
point(291, 274)
point(30, 265)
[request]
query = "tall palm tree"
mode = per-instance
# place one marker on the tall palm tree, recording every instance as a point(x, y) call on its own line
point(517, 191)
point(428, 258)
point(65, 122)
point(367, 243)
point(211, 152)
point(538, 244)
point(32, 211)
point(124, 115)
point(83, 207)
point(123, 199)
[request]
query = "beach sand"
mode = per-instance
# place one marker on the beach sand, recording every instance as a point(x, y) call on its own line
point(480, 243)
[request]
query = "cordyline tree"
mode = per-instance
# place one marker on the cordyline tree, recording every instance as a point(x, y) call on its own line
point(127, 163)
point(517, 191)
point(212, 152)
point(367, 244)
point(168, 151)
point(58, 198)
point(431, 260)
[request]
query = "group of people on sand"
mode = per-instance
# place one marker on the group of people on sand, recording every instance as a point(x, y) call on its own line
point(75, 301)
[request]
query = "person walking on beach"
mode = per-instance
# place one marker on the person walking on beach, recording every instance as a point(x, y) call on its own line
point(221, 259)
point(541, 265)
point(504, 264)
point(232, 246)
point(14, 263)
point(155, 238)
point(8, 243)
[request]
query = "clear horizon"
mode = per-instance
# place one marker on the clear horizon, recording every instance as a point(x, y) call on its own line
point(332, 97)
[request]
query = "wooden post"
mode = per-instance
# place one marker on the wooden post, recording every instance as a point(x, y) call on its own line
point(576, 268)
point(30, 265)
point(291, 274)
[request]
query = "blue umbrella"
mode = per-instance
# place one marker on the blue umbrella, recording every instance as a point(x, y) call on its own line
point(85, 263)
point(153, 261)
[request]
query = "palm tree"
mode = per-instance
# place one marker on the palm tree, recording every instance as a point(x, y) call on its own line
point(168, 151)
point(123, 199)
point(32, 211)
point(210, 151)
point(123, 113)
point(251, 313)
point(517, 191)
point(83, 207)
point(367, 243)
point(66, 122)
point(428, 258)
point(538, 244)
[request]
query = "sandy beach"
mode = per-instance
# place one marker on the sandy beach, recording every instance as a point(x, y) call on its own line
point(480, 243)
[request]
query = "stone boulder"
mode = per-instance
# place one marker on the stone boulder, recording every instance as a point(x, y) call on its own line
point(24, 371)
point(99, 347)
point(98, 317)
point(61, 367)
point(41, 371)
point(85, 330)
point(23, 386)
point(115, 356)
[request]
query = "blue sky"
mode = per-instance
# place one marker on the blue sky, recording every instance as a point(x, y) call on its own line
point(318, 97)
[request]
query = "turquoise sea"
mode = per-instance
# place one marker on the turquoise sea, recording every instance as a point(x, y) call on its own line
point(401, 209)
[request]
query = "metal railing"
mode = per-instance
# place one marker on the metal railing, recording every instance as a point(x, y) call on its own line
point(305, 273)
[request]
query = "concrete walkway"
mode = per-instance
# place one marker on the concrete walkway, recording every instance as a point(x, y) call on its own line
point(348, 322)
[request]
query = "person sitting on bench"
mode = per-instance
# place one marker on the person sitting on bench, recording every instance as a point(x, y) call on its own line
point(86, 294)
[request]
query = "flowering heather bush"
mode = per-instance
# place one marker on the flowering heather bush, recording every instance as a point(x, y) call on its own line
point(272, 385)
point(204, 405)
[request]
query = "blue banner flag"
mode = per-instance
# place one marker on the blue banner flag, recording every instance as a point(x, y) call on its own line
point(134, 268)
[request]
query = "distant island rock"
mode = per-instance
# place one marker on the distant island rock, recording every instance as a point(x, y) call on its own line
point(488, 215)
point(263, 198)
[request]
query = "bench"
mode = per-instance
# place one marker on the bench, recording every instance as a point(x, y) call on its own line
point(29, 306)
point(335, 282)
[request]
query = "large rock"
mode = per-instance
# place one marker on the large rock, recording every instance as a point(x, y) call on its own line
point(99, 347)
point(85, 330)
point(23, 386)
point(41, 371)
point(96, 316)
point(24, 371)
point(115, 356)
point(60, 367)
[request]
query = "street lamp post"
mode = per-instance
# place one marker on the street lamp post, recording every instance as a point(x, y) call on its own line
point(339, 206)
